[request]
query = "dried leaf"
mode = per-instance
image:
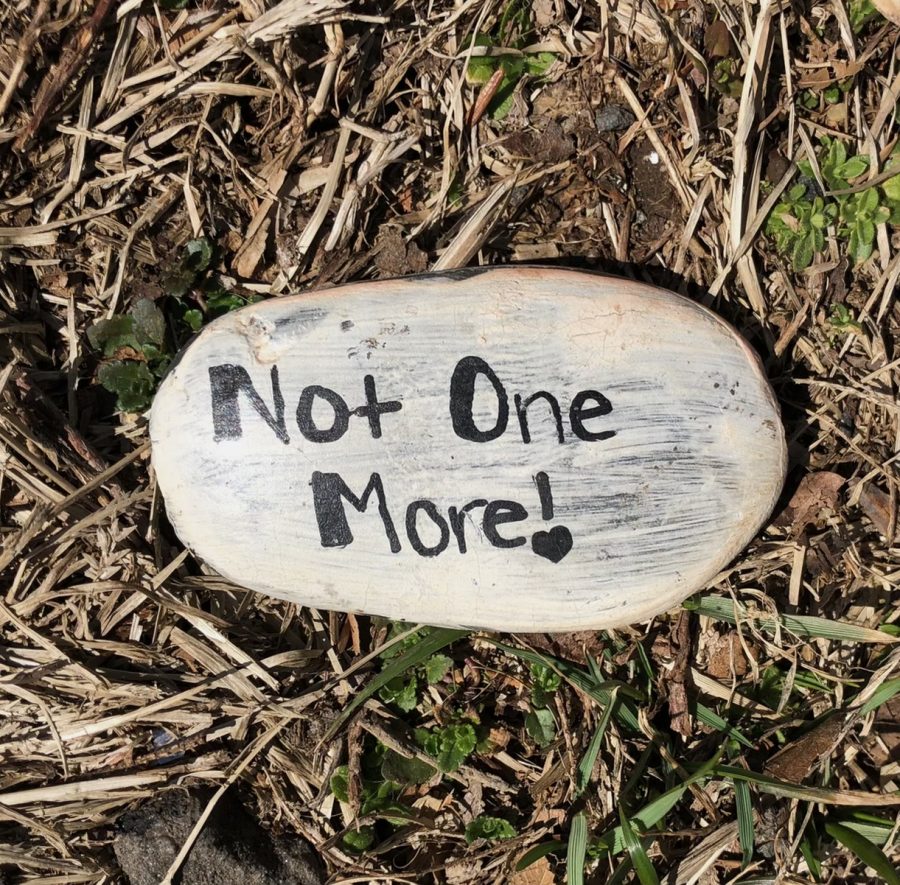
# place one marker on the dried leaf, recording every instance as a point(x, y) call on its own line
point(726, 654)
point(678, 677)
point(876, 504)
point(794, 763)
point(539, 873)
point(817, 492)
point(717, 41)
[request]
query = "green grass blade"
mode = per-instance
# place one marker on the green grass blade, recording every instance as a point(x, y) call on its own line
point(586, 766)
point(621, 872)
point(815, 867)
point(656, 810)
point(776, 787)
point(537, 852)
point(882, 695)
point(744, 803)
point(726, 609)
point(870, 854)
point(626, 715)
point(581, 679)
point(578, 676)
point(639, 859)
point(714, 720)
point(417, 654)
point(577, 850)
point(876, 829)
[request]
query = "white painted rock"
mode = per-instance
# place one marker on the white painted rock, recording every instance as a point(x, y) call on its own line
point(514, 449)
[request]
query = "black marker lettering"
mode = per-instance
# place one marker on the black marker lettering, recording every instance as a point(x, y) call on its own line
point(497, 513)
point(542, 481)
point(226, 382)
point(373, 409)
point(458, 521)
point(462, 396)
point(305, 420)
point(412, 530)
point(578, 415)
point(522, 412)
point(334, 530)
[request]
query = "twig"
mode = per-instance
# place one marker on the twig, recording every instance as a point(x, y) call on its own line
point(756, 72)
point(72, 57)
point(29, 38)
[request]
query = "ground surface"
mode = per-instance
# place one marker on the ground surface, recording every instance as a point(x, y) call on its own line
point(204, 155)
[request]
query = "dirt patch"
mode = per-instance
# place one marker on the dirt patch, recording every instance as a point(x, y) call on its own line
point(232, 849)
point(655, 200)
point(545, 140)
point(395, 257)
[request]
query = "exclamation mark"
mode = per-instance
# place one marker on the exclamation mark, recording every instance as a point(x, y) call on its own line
point(557, 542)
point(542, 481)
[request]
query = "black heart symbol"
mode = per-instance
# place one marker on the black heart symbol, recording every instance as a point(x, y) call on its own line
point(552, 545)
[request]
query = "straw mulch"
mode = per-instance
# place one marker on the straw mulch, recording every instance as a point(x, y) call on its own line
point(313, 142)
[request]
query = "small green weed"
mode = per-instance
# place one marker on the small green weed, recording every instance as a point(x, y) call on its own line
point(861, 214)
point(540, 723)
point(137, 348)
point(798, 226)
point(511, 35)
point(842, 320)
point(545, 684)
point(191, 275)
point(413, 660)
point(723, 59)
point(861, 12)
point(412, 663)
point(492, 829)
point(726, 77)
point(359, 840)
point(403, 690)
point(448, 745)
point(809, 99)
point(384, 776)
point(136, 356)
point(799, 222)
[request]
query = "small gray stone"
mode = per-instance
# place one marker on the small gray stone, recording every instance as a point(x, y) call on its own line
point(232, 849)
point(613, 118)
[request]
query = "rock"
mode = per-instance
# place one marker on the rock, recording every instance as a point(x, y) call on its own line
point(232, 849)
point(518, 449)
point(613, 118)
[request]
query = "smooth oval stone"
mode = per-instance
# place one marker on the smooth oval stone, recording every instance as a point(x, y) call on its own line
point(516, 449)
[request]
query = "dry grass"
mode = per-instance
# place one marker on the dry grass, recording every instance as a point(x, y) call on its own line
point(321, 141)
